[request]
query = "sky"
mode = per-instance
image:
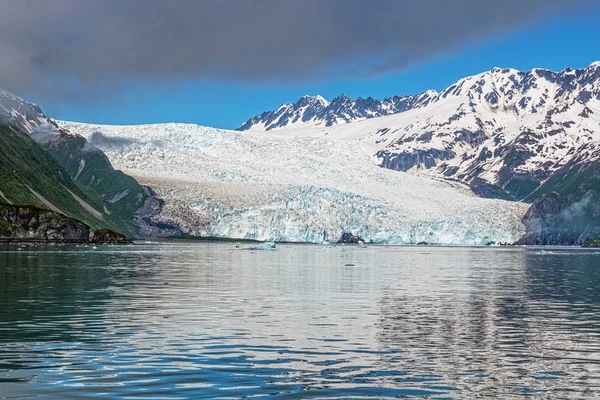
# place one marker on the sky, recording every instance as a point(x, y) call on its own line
point(220, 63)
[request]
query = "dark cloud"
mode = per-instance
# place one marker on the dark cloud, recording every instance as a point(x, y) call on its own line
point(65, 46)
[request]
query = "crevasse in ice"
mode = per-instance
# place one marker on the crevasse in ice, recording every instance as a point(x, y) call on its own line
point(300, 189)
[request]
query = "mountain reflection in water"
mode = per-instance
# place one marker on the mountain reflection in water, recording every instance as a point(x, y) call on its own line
point(207, 320)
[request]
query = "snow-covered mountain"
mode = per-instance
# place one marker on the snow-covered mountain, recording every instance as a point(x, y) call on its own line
point(26, 116)
point(310, 171)
point(293, 188)
point(504, 132)
point(315, 111)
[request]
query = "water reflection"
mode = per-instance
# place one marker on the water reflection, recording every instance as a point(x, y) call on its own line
point(529, 322)
point(197, 320)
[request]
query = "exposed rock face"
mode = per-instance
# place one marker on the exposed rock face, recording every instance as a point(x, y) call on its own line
point(108, 236)
point(567, 206)
point(33, 224)
point(349, 238)
point(554, 219)
point(407, 160)
point(483, 188)
point(146, 218)
point(315, 110)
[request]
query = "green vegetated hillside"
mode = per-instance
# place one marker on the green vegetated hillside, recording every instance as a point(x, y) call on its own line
point(30, 176)
point(109, 198)
point(120, 195)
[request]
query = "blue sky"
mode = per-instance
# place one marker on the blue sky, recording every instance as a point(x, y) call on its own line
point(568, 40)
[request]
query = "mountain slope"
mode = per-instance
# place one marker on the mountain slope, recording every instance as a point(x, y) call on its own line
point(531, 136)
point(115, 195)
point(121, 196)
point(504, 132)
point(30, 176)
point(26, 117)
point(266, 186)
point(315, 111)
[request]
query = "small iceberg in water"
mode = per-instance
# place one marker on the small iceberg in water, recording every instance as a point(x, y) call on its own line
point(263, 246)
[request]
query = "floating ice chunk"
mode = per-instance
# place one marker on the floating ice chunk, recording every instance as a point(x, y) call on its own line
point(263, 246)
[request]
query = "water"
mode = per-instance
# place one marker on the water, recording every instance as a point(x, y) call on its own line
point(207, 320)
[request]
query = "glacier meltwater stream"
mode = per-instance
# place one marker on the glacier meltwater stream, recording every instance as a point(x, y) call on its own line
point(212, 320)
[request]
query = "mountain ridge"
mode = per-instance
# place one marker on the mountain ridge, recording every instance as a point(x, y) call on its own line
point(342, 109)
point(507, 134)
point(277, 119)
point(482, 128)
point(521, 136)
point(104, 197)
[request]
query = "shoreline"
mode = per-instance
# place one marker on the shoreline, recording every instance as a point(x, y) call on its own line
point(207, 239)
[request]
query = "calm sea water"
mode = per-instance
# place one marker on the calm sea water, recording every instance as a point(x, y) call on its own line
point(209, 320)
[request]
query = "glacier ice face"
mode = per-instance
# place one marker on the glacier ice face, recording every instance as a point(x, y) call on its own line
point(300, 189)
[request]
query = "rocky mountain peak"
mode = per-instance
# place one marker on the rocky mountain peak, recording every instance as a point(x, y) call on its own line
point(502, 131)
point(25, 116)
point(312, 100)
point(341, 99)
point(316, 111)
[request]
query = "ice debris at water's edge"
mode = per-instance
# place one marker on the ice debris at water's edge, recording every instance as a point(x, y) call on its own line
point(267, 246)
point(297, 189)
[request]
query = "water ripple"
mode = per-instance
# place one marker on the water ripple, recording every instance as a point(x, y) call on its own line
point(201, 320)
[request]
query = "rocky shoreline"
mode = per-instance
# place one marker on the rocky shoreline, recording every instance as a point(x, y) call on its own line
point(27, 224)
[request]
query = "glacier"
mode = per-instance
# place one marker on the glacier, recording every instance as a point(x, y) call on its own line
point(273, 187)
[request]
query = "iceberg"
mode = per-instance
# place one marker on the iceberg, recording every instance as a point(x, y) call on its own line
point(269, 246)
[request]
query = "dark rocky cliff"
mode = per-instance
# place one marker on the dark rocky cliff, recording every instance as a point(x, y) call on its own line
point(31, 224)
point(566, 210)
point(556, 219)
